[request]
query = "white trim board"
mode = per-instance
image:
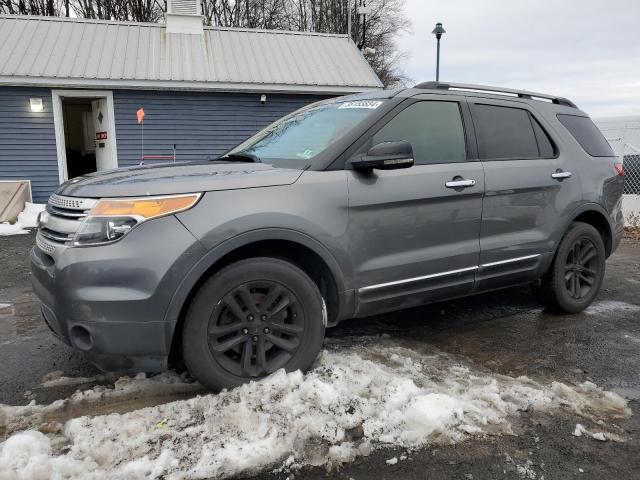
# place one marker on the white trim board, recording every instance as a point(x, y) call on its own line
point(58, 121)
point(53, 82)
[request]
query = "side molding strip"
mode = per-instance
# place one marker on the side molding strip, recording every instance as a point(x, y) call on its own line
point(510, 260)
point(444, 274)
point(416, 279)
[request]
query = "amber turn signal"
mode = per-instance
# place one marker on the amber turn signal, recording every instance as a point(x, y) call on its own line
point(145, 208)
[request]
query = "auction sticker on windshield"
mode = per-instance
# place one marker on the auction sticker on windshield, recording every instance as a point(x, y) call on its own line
point(371, 104)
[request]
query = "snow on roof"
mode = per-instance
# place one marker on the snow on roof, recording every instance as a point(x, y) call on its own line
point(79, 52)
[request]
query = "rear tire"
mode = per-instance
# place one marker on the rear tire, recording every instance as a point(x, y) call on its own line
point(250, 319)
point(575, 276)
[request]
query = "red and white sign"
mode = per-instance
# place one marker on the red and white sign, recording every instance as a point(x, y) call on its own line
point(101, 135)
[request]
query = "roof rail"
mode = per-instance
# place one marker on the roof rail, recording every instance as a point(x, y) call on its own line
point(495, 90)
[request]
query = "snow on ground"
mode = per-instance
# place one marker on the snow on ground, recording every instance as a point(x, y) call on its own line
point(32, 415)
point(359, 396)
point(608, 306)
point(28, 218)
point(601, 436)
point(58, 379)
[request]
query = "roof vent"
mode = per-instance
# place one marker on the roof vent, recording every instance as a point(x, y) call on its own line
point(184, 16)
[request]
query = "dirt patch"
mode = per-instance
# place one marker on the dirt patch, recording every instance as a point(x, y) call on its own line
point(632, 233)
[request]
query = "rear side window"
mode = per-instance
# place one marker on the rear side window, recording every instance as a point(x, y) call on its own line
point(505, 133)
point(587, 135)
point(434, 129)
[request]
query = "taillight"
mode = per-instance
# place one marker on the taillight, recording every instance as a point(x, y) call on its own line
point(619, 167)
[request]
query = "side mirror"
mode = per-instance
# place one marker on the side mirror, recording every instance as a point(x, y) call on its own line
point(385, 156)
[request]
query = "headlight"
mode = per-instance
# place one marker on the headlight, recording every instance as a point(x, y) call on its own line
point(111, 219)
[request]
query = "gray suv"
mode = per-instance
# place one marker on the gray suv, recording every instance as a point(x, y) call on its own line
point(346, 208)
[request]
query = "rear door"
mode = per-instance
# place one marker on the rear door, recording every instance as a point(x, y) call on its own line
point(413, 234)
point(529, 188)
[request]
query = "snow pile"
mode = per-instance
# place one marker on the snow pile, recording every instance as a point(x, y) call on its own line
point(355, 399)
point(28, 218)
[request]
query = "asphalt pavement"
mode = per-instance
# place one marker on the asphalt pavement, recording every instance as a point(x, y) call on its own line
point(504, 332)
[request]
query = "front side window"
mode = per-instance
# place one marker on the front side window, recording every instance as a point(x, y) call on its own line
point(434, 129)
point(300, 136)
point(504, 133)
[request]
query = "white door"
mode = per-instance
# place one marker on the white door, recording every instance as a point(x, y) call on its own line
point(103, 137)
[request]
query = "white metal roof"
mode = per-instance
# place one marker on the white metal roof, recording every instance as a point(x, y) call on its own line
point(92, 53)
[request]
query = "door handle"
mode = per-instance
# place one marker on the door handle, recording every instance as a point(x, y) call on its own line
point(460, 183)
point(560, 175)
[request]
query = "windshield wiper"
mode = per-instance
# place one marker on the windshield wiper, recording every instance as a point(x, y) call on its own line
point(241, 157)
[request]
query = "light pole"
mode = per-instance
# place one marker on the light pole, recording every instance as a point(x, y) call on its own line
point(438, 31)
point(363, 11)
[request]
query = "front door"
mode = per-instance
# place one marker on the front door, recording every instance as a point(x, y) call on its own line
point(413, 233)
point(103, 136)
point(528, 188)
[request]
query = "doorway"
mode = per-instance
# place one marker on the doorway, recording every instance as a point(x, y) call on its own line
point(85, 132)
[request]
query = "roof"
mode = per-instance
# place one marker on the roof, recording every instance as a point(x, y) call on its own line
point(623, 133)
point(69, 52)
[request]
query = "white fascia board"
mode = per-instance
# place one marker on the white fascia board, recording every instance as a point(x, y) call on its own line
point(180, 85)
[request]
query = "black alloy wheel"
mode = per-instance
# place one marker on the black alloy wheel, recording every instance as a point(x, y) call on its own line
point(251, 318)
point(256, 328)
point(576, 274)
point(581, 268)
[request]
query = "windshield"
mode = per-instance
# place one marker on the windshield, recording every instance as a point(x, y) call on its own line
point(302, 135)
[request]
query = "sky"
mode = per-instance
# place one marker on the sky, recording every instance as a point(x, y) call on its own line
point(585, 50)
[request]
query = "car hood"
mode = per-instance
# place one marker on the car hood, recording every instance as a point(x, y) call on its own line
point(177, 178)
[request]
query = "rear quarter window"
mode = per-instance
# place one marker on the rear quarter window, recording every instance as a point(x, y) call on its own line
point(587, 135)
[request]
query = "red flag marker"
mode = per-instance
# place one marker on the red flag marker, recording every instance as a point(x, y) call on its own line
point(140, 114)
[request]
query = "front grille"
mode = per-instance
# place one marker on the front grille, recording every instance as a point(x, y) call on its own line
point(62, 221)
point(55, 236)
point(45, 246)
point(65, 212)
point(71, 203)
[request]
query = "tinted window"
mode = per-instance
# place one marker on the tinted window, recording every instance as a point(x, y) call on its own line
point(587, 135)
point(504, 132)
point(544, 142)
point(434, 130)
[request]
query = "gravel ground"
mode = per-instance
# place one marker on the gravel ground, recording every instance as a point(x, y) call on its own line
point(503, 332)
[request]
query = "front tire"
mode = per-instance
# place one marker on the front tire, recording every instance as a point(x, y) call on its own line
point(575, 277)
point(250, 319)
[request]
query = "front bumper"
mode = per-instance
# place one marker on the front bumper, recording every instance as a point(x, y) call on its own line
point(110, 301)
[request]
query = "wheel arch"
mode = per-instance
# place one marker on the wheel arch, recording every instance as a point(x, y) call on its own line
point(296, 247)
point(596, 216)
